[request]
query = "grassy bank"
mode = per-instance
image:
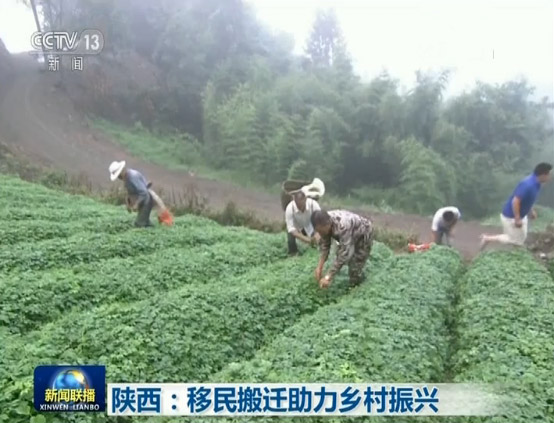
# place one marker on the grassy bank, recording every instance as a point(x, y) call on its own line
point(190, 203)
point(184, 153)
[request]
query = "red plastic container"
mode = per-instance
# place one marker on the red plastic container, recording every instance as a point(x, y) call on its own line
point(418, 247)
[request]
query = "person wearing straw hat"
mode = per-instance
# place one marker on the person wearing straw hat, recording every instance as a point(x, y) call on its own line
point(297, 218)
point(137, 188)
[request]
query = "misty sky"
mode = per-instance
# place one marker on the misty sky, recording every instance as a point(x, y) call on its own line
point(404, 35)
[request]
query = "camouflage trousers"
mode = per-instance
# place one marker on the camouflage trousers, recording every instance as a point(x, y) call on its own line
point(362, 250)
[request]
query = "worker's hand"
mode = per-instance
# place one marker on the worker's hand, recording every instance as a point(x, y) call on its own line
point(313, 241)
point(325, 282)
point(317, 237)
point(518, 223)
point(533, 214)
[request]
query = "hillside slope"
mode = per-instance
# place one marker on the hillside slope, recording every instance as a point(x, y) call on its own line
point(39, 122)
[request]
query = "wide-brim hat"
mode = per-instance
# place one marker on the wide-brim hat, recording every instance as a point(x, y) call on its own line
point(315, 189)
point(116, 168)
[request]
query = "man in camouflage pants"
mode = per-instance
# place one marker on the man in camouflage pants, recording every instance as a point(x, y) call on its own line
point(355, 236)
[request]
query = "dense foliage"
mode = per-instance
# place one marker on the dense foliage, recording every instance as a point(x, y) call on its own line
point(358, 338)
point(413, 151)
point(506, 332)
point(164, 304)
point(201, 302)
point(404, 307)
point(243, 101)
point(138, 277)
point(87, 248)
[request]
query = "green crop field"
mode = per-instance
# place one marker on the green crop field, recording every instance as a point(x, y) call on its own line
point(199, 302)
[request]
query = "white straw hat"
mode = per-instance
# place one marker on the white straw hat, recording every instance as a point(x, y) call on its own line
point(115, 169)
point(316, 188)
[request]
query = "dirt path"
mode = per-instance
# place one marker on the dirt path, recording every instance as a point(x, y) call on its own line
point(38, 122)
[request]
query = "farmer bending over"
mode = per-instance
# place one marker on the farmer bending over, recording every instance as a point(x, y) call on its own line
point(137, 191)
point(355, 237)
point(518, 207)
point(297, 218)
point(443, 224)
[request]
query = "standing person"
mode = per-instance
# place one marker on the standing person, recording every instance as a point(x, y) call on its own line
point(443, 224)
point(354, 234)
point(297, 218)
point(137, 189)
point(518, 207)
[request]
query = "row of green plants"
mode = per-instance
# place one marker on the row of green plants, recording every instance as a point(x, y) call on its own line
point(505, 333)
point(188, 231)
point(30, 299)
point(201, 302)
point(16, 191)
point(402, 308)
point(25, 214)
point(393, 329)
point(184, 334)
point(504, 329)
point(33, 230)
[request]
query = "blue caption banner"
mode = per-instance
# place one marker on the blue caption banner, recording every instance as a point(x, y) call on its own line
point(297, 399)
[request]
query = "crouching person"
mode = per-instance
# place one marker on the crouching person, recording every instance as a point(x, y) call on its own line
point(354, 234)
point(138, 196)
point(444, 221)
point(297, 218)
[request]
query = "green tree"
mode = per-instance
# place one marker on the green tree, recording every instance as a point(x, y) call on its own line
point(326, 46)
point(482, 188)
point(423, 104)
point(223, 77)
point(420, 180)
point(504, 122)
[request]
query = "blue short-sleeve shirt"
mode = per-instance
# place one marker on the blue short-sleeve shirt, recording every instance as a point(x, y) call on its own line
point(527, 191)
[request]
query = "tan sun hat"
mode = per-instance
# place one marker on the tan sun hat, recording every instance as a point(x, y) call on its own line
point(115, 169)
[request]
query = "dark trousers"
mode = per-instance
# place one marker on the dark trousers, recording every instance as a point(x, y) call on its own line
point(144, 210)
point(443, 233)
point(293, 248)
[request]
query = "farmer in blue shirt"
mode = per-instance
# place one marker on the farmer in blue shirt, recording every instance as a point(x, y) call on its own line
point(518, 207)
point(137, 191)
